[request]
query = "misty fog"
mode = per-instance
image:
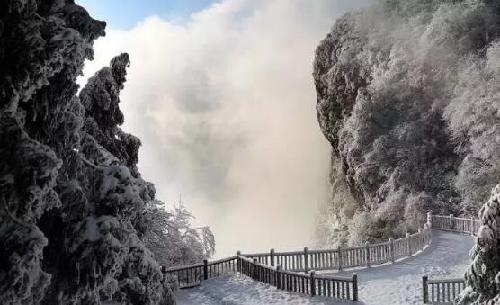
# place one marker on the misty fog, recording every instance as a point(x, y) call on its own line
point(224, 104)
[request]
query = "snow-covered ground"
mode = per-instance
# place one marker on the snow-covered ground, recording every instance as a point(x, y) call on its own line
point(236, 290)
point(398, 283)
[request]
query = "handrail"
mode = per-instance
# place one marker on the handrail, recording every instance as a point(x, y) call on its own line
point(185, 276)
point(442, 291)
point(292, 270)
point(341, 258)
point(222, 260)
point(454, 224)
point(445, 281)
point(193, 275)
point(338, 287)
point(182, 267)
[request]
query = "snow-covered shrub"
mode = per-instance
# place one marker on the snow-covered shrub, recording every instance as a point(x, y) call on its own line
point(331, 228)
point(173, 239)
point(483, 276)
point(408, 98)
point(361, 224)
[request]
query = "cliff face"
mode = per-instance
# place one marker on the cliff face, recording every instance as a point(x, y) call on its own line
point(72, 202)
point(408, 96)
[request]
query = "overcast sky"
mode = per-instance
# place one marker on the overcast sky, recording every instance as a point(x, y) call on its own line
point(222, 97)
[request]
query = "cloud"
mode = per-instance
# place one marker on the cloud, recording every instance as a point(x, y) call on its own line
point(225, 107)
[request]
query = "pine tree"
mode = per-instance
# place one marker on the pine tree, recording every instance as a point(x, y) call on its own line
point(72, 202)
point(483, 276)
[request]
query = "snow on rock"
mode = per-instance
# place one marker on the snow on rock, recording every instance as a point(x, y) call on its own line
point(408, 98)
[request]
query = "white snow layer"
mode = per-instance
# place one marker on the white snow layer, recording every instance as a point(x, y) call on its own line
point(395, 284)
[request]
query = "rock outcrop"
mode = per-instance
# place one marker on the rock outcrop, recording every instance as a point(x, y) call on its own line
point(408, 98)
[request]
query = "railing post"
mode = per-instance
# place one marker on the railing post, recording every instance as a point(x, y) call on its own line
point(339, 251)
point(421, 240)
point(355, 287)
point(472, 226)
point(391, 248)
point(451, 222)
point(163, 272)
point(408, 246)
point(367, 253)
point(238, 261)
point(313, 283)
point(306, 259)
point(205, 269)
point(427, 233)
point(255, 272)
point(425, 289)
point(278, 276)
point(272, 257)
point(429, 219)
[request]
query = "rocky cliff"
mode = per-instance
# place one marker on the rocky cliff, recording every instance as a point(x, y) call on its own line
point(408, 97)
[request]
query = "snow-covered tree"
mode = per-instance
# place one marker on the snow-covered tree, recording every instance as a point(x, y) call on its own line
point(173, 239)
point(41, 43)
point(483, 276)
point(474, 116)
point(73, 206)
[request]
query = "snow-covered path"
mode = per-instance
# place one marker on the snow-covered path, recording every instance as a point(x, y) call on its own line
point(398, 283)
point(401, 282)
point(242, 290)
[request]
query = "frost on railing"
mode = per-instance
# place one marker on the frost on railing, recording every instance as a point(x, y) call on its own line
point(308, 283)
point(192, 275)
point(295, 271)
point(441, 291)
point(338, 287)
point(455, 224)
point(341, 258)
